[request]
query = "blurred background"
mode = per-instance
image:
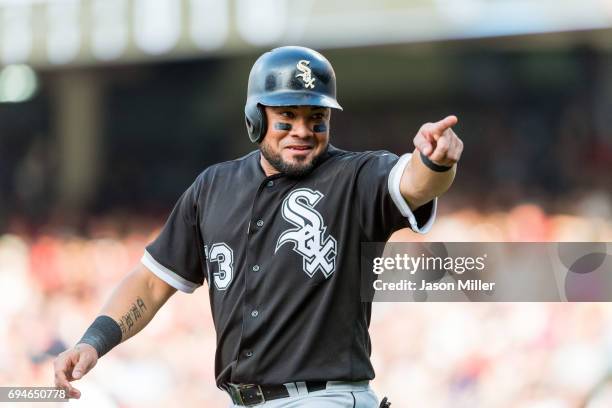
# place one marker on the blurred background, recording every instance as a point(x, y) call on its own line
point(110, 108)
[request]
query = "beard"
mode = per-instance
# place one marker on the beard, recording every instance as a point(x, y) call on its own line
point(300, 168)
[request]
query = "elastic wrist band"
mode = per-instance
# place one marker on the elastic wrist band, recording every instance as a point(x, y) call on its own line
point(433, 166)
point(103, 334)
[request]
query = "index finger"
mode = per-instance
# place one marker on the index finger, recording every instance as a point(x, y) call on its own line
point(447, 122)
point(61, 380)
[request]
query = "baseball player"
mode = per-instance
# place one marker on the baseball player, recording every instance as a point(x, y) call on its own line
point(276, 236)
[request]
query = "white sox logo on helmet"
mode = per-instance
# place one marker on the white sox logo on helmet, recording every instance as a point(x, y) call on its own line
point(317, 250)
point(306, 73)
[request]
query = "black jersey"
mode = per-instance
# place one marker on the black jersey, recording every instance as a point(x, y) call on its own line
point(281, 257)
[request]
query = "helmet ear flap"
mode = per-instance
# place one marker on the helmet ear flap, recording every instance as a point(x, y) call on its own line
point(256, 123)
point(263, 128)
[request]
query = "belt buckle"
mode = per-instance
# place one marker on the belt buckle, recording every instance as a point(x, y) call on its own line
point(239, 388)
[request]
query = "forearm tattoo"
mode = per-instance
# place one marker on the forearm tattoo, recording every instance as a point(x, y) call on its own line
point(135, 313)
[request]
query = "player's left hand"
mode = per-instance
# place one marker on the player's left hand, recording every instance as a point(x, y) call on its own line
point(439, 143)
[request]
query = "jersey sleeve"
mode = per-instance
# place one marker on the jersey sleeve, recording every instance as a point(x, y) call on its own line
point(175, 256)
point(383, 209)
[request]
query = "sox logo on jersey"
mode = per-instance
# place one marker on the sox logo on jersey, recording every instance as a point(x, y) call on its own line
point(318, 251)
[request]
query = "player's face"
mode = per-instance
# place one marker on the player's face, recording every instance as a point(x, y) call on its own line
point(296, 137)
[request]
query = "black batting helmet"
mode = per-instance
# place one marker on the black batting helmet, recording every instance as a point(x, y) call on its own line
point(287, 76)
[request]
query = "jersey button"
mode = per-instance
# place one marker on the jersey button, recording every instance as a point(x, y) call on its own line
point(270, 183)
point(255, 268)
point(260, 223)
point(254, 313)
point(249, 354)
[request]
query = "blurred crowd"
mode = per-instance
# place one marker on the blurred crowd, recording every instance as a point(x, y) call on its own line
point(506, 355)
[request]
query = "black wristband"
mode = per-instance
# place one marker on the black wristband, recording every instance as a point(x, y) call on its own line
point(433, 166)
point(103, 334)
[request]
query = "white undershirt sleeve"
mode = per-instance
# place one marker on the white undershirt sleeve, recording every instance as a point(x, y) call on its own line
point(395, 177)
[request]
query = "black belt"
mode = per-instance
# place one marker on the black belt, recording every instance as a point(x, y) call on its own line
point(252, 394)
